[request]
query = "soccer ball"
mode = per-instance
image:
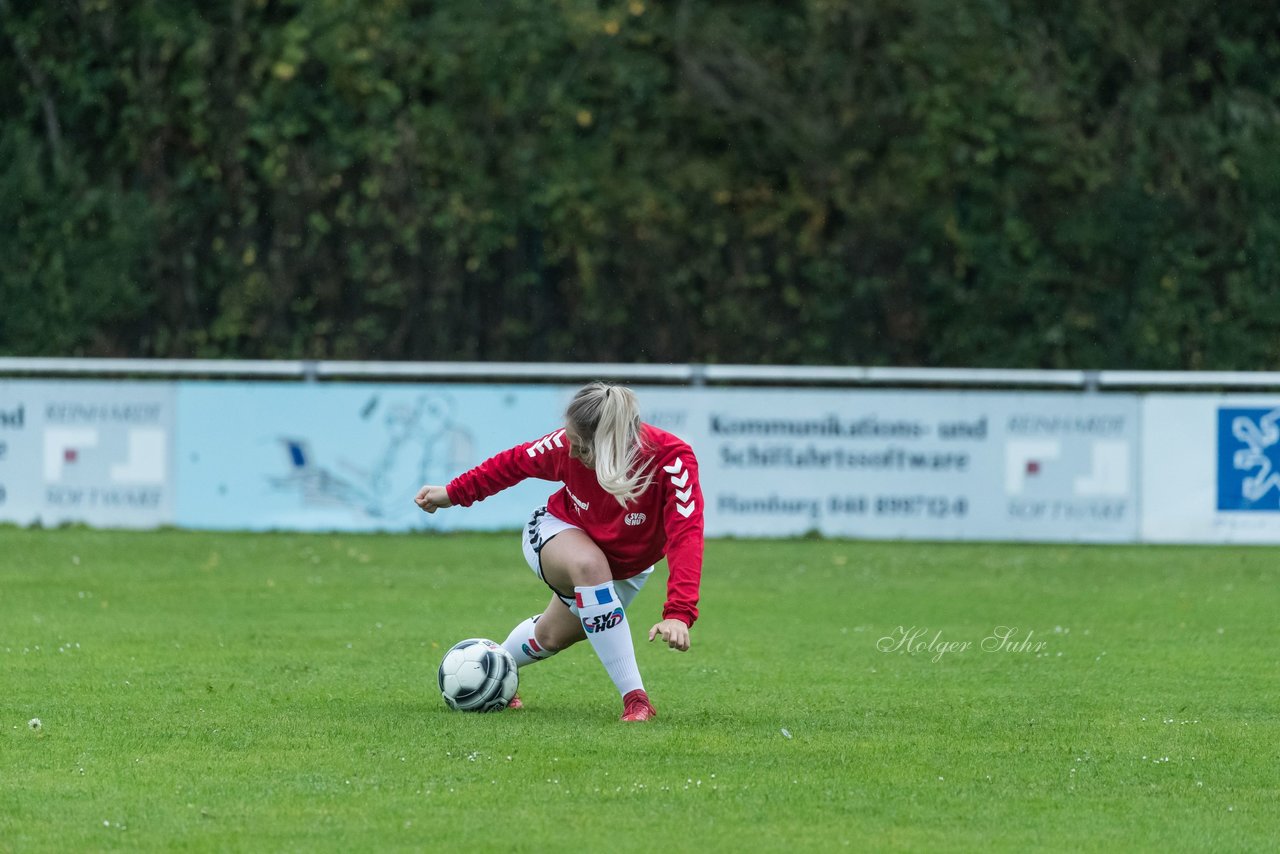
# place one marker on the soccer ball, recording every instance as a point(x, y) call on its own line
point(478, 675)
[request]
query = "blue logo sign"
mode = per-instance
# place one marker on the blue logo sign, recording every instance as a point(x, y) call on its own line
point(1249, 459)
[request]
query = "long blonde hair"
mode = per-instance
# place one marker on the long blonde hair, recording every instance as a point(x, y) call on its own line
point(605, 419)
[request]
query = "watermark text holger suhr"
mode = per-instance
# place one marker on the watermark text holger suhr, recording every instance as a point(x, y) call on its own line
point(918, 641)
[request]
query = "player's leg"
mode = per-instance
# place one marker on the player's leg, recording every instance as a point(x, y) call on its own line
point(527, 643)
point(543, 635)
point(636, 705)
point(572, 561)
point(558, 627)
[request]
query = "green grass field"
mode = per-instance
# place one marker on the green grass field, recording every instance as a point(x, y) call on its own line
point(204, 691)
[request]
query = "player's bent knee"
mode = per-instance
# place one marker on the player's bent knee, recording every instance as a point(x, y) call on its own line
point(590, 569)
point(572, 559)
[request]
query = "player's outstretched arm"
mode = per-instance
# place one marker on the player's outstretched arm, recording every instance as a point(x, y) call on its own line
point(432, 498)
point(674, 632)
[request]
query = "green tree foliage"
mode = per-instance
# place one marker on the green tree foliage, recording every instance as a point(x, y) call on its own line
point(998, 183)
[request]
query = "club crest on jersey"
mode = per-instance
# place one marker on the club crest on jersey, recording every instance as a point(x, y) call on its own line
point(635, 518)
point(602, 622)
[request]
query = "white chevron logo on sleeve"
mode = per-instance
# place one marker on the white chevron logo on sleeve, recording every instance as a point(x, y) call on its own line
point(684, 503)
point(544, 444)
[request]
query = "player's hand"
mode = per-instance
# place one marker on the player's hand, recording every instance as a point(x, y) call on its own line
point(674, 632)
point(432, 498)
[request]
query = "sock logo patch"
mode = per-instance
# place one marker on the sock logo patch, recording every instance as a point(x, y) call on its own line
point(603, 622)
point(532, 649)
point(601, 596)
point(536, 652)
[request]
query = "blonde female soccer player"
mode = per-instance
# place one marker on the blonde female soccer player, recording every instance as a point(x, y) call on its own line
point(629, 496)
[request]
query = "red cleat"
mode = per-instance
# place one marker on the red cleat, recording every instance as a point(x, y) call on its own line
point(636, 706)
point(515, 702)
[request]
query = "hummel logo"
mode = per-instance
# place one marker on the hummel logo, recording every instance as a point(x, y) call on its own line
point(545, 443)
point(684, 504)
point(582, 505)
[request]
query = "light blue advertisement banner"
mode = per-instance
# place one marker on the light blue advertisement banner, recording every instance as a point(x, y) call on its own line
point(774, 462)
point(912, 464)
point(262, 456)
point(878, 464)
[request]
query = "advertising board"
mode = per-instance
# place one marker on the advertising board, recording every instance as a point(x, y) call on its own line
point(93, 452)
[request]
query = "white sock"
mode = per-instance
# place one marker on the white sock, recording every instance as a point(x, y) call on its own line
point(610, 634)
point(523, 646)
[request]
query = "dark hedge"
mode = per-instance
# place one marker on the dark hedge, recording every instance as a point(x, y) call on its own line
point(914, 182)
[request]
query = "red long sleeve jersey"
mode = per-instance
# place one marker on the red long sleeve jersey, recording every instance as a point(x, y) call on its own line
point(665, 520)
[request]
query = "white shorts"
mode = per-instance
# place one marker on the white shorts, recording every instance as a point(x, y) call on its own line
point(538, 532)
